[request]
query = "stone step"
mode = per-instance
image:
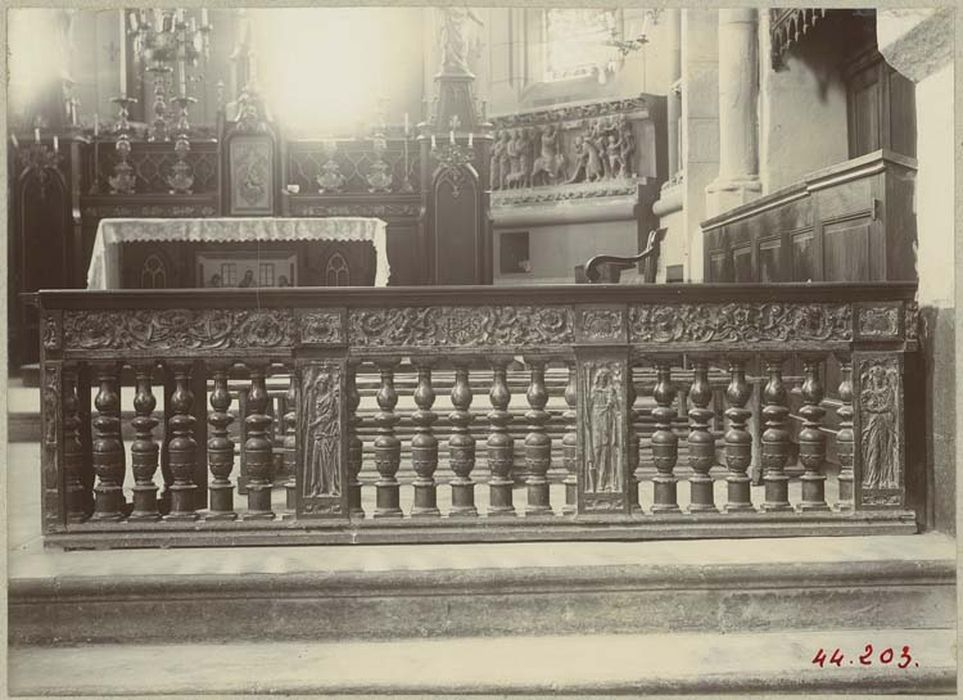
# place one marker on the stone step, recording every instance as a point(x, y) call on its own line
point(375, 592)
point(637, 664)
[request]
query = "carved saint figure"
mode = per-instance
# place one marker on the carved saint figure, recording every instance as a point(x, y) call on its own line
point(594, 168)
point(879, 438)
point(322, 452)
point(627, 148)
point(518, 155)
point(598, 139)
point(613, 151)
point(454, 45)
point(499, 148)
point(581, 161)
point(548, 163)
point(604, 435)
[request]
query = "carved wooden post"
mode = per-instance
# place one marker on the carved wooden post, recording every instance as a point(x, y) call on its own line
point(775, 438)
point(570, 440)
point(461, 446)
point(878, 427)
point(632, 461)
point(290, 442)
point(182, 448)
point(355, 447)
point(501, 445)
point(738, 440)
point(77, 495)
point(538, 444)
point(424, 446)
point(844, 437)
point(812, 441)
point(322, 428)
point(665, 443)
point(108, 449)
point(220, 447)
point(258, 448)
point(144, 451)
point(387, 446)
point(702, 443)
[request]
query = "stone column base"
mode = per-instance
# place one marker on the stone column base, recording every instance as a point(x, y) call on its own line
point(723, 195)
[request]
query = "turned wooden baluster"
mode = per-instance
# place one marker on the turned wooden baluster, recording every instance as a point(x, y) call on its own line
point(290, 442)
point(108, 448)
point(738, 439)
point(570, 440)
point(182, 448)
point(77, 494)
point(424, 446)
point(387, 446)
point(144, 451)
point(538, 444)
point(775, 438)
point(258, 448)
point(812, 441)
point(220, 447)
point(632, 463)
point(461, 446)
point(702, 443)
point(355, 447)
point(845, 439)
point(500, 444)
point(665, 443)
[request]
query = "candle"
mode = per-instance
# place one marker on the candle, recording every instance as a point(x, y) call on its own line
point(13, 138)
point(96, 125)
point(433, 144)
point(182, 77)
point(204, 18)
point(56, 144)
point(471, 140)
point(123, 56)
point(451, 137)
point(407, 124)
point(36, 134)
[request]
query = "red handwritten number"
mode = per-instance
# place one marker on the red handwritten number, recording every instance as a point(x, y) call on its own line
point(906, 658)
point(886, 657)
point(864, 657)
point(836, 658)
point(819, 658)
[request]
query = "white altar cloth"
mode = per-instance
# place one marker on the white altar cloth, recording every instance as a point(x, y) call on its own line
point(104, 269)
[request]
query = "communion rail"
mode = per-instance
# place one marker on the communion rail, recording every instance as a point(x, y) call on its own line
point(189, 344)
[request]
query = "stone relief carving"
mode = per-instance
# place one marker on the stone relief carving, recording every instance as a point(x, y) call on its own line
point(879, 321)
point(178, 329)
point(602, 428)
point(582, 190)
point(321, 327)
point(740, 323)
point(879, 420)
point(320, 413)
point(460, 325)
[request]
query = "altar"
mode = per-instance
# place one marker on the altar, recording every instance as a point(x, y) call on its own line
point(238, 252)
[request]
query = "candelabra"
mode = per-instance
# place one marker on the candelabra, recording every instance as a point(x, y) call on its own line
point(122, 181)
point(181, 178)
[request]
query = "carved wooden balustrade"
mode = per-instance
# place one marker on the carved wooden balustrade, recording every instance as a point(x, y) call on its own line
point(619, 346)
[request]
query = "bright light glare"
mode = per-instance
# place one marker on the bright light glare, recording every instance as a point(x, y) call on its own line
point(35, 61)
point(319, 68)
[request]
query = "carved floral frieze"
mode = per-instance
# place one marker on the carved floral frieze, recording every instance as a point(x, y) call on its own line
point(740, 323)
point(321, 327)
point(360, 209)
point(878, 322)
point(600, 325)
point(469, 326)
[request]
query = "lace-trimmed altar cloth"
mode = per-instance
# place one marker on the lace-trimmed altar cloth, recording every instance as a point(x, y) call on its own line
point(104, 270)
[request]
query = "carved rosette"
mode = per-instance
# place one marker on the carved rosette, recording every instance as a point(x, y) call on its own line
point(466, 326)
point(662, 324)
point(321, 447)
point(602, 325)
point(602, 435)
point(321, 327)
point(878, 428)
point(177, 331)
point(878, 321)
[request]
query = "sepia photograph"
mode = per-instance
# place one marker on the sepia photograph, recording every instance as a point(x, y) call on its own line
point(470, 350)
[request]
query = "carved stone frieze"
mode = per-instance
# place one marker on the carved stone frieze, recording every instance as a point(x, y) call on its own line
point(879, 418)
point(878, 322)
point(740, 323)
point(467, 326)
point(573, 112)
point(321, 327)
point(173, 330)
point(563, 193)
point(52, 333)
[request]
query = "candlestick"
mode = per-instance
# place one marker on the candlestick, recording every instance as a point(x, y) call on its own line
point(36, 134)
point(123, 55)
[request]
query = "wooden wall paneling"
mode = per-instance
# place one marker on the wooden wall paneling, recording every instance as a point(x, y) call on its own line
point(899, 223)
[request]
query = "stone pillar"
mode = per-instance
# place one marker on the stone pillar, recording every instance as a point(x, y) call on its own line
point(738, 180)
point(674, 101)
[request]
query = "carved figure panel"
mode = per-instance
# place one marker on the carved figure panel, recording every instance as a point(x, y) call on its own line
point(179, 330)
point(740, 323)
point(467, 326)
point(602, 325)
point(50, 453)
point(321, 327)
point(252, 175)
point(878, 322)
point(879, 421)
point(320, 416)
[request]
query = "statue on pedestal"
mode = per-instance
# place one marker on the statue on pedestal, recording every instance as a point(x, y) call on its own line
point(454, 46)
